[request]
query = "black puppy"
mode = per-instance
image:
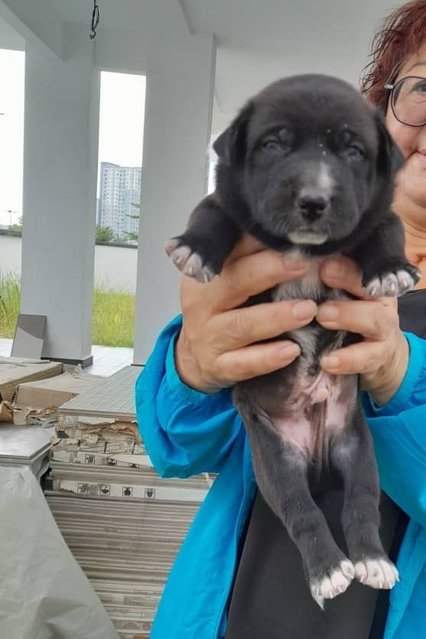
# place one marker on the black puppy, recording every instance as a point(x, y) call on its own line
point(308, 166)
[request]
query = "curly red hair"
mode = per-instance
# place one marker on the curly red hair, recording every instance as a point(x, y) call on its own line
point(401, 34)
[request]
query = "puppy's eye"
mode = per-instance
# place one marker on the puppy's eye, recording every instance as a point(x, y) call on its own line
point(354, 152)
point(275, 147)
point(351, 148)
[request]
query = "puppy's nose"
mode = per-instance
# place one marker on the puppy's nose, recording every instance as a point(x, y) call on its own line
point(312, 203)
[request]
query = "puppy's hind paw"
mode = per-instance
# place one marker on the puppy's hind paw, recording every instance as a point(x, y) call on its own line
point(333, 583)
point(376, 573)
point(188, 261)
point(393, 283)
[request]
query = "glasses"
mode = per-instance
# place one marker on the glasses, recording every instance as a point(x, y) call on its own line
point(408, 100)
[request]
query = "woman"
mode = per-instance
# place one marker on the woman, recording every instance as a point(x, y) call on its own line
point(238, 575)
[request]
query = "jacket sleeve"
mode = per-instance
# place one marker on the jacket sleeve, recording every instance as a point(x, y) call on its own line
point(185, 431)
point(399, 434)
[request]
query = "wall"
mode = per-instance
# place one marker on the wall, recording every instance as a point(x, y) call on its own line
point(115, 267)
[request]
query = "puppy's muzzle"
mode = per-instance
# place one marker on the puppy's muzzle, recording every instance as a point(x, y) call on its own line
point(312, 203)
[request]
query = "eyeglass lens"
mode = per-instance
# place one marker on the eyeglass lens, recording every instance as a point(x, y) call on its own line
point(409, 101)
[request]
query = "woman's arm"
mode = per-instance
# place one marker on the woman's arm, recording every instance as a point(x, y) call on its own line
point(399, 434)
point(184, 431)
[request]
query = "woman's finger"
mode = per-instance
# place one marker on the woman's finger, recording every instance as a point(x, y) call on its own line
point(250, 324)
point(370, 318)
point(254, 274)
point(246, 246)
point(361, 358)
point(258, 359)
point(341, 272)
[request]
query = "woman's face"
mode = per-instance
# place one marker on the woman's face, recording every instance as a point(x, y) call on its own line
point(411, 183)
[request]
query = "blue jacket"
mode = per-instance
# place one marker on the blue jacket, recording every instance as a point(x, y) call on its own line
point(187, 432)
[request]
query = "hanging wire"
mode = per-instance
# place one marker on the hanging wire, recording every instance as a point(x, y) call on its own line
point(95, 19)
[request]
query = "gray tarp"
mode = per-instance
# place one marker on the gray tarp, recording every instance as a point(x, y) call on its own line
point(43, 592)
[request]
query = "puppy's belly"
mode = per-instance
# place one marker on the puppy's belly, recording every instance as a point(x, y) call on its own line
point(322, 403)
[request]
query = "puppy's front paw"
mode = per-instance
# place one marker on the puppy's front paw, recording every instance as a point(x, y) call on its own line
point(376, 573)
point(393, 283)
point(188, 261)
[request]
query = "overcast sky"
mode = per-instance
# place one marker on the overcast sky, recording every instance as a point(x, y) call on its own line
point(120, 127)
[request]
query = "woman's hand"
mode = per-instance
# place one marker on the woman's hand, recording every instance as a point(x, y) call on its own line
point(221, 343)
point(382, 357)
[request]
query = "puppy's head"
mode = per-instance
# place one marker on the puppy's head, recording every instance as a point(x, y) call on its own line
point(312, 161)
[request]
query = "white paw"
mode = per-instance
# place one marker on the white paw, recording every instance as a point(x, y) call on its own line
point(377, 573)
point(391, 284)
point(333, 584)
point(187, 262)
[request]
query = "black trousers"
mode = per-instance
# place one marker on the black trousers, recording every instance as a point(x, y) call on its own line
point(271, 599)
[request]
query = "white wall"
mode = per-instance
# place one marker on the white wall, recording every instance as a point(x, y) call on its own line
point(115, 266)
point(10, 255)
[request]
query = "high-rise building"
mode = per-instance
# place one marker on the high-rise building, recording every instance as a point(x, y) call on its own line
point(120, 190)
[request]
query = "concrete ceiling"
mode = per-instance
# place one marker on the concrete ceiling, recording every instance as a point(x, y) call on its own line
point(9, 38)
point(258, 40)
point(262, 40)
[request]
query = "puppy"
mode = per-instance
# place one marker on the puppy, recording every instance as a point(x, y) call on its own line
point(307, 167)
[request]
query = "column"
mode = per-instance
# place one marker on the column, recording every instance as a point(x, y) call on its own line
point(179, 98)
point(59, 201)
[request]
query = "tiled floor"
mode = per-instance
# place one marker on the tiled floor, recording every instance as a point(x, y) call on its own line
point(106, 359)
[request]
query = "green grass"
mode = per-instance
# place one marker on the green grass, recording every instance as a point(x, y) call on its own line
point(10, 295)
point(113, 318)
point(113, 313)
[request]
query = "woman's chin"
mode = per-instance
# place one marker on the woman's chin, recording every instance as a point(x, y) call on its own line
point(411, 192)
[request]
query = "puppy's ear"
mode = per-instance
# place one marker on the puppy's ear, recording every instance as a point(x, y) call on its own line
point(230, 146)
point(389, 157)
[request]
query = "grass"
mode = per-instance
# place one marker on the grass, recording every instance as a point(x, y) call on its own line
point(10, 295)
point(113, 317)
point(113, 313)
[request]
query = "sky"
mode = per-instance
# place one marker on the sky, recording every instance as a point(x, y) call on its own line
point(11, 134)
point(121, 120)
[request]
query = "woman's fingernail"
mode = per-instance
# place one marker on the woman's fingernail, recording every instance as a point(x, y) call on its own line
point(334, 269)
point(290, 351)
point(327, 312)
point(330, 361)
point(304, 310)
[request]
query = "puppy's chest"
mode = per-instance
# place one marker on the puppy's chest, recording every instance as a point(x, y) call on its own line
point(313, 339)
point(308, 287)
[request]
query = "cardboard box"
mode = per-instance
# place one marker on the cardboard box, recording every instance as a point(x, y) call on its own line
point(54, 391)
point(16, 370)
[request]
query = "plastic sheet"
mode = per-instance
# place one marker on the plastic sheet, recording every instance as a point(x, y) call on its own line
point(44, 594)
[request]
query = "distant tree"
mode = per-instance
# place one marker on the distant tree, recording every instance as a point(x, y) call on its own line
point(17, 227)
point(133, 236)
point(105, 234)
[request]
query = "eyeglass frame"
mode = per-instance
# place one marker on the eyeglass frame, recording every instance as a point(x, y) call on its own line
point(391, 88)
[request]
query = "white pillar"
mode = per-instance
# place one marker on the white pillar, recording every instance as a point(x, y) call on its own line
point(59, 194)
point(179, 98)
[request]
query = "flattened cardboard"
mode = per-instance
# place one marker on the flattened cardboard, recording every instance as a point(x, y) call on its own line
point(16, 370)
point(54, 391)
